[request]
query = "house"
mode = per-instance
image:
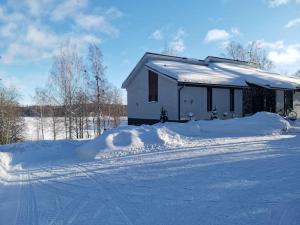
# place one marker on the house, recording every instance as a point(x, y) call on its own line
point(190, 88)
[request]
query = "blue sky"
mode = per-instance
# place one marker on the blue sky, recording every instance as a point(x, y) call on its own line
point(32, 31)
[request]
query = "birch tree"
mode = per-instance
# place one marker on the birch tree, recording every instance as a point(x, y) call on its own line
point(66, 79)
point(99, 85)
point(252, 52)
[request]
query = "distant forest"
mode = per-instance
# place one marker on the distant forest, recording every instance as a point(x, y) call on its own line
point(107, 109)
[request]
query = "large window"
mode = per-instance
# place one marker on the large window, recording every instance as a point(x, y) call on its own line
point(209, 99)
point(153, 86)
point(231, 100)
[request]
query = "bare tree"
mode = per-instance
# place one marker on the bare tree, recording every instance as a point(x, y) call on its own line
point(116, 101)
point(252, 53)
point(97, 70)
point(66, 79)
point(11, 123)
point(79, 94)
point(40, 99)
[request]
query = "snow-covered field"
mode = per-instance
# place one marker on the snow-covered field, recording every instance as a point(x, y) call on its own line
point(239, 171)
point(33, 128)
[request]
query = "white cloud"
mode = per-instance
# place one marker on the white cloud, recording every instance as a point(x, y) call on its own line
point(177, 44)
point(217, 35)
point(113, 13)
point(276, 3)
point(38, 7)
point(293, 23)
point(221, 36)
point(16, 49)
point(157, 35)
point(82, 40)
point(287, 56)
point(41, 38)
point(11, 81)
point(235, 31)
point(68, 8)
point(8, 30)
point(6, 17)
point(27, 36)
point(96, 22)
point(280, 53)
point(271, 45)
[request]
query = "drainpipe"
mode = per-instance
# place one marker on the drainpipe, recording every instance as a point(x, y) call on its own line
point(179, 91)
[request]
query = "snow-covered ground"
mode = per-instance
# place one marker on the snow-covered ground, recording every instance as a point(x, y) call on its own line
point(239, 171)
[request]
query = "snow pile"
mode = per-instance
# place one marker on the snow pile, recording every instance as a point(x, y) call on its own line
point(5, 161)
point(32, 154)
point(135, 139)
point(168, 135)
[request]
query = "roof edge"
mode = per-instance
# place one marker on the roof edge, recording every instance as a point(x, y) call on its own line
point(215, 59)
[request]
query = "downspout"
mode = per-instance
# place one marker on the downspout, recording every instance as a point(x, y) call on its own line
point(179, 91)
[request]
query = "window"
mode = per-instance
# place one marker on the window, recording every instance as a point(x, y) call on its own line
point(153, 86)
point(209, 99)
point(231, 100)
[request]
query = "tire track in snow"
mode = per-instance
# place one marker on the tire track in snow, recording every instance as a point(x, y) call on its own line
point(64, 214)
point(61, 211)
point(111, 200)
point(27, 212)
point(54, 189)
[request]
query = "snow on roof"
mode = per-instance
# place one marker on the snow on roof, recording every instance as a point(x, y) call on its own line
point(230, 74)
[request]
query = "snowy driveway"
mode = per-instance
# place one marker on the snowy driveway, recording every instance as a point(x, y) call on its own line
point(253, 180)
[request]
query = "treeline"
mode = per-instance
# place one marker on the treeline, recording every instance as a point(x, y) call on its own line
point(33, 110)
point(11, 124)
point(78, 95)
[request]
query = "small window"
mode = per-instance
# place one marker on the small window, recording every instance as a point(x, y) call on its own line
point(153, 86)
point(231, 100)
point(209, 99)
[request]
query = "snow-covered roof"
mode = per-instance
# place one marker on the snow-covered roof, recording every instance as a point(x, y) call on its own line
point(222, 73)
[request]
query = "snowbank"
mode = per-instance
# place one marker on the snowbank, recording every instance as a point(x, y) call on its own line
point(168, 135)
point(5, 161)
point(131, 139)
point(31, 154)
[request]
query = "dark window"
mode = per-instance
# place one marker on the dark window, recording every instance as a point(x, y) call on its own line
point(231, 100)
point(288, 100)
point(209, 99)
point(153, 86)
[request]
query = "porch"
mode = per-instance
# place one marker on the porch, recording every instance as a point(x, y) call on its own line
point(258, 99)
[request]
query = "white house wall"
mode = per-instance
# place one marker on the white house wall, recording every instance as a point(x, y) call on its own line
point(238, 102)
point(194, 100)
point(296, 103)
point(221, 101)
point(137, 98)
point(279, 101)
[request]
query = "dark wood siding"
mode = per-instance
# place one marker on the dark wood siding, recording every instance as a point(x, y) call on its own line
point(209, 99)
point(153, 86)
point(231, 100)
